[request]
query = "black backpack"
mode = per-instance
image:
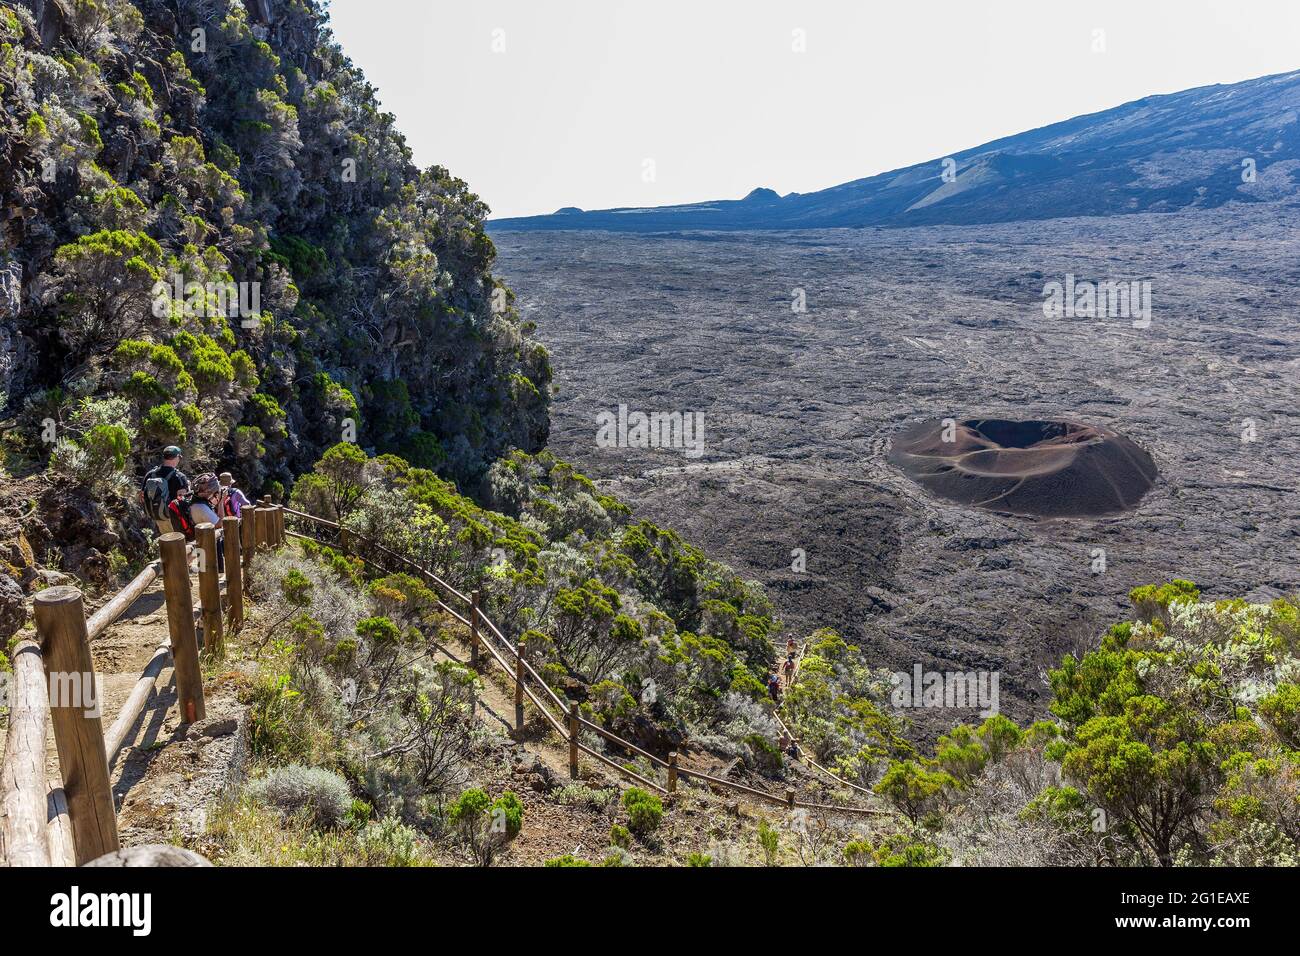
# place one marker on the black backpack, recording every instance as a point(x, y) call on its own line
point(179, 513)
point(157, 493)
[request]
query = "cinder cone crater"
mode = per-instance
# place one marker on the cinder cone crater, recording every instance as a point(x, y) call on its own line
point(1047, 468)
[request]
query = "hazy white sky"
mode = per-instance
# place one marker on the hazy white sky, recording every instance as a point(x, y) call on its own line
point(546, 103)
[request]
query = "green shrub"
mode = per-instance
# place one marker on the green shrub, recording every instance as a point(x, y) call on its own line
point(1152, 601)
point(620, 836)
point(567, 860)
point(769, 841)
point(389, 842)
point(162, 426)
point(644, 811)
point(579, 794)
point(484, 825)
point(359, 813)
point(277, 720)
point(323, 795)
point(508, 813)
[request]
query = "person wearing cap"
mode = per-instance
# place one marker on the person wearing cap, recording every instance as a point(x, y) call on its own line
point(172, 478)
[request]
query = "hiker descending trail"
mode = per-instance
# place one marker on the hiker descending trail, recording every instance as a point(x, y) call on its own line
point(162, 485)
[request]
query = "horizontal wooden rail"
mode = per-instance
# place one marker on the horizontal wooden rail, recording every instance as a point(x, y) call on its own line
point(507, 657)
point(730, 784)
point(24, 840)
point(619, 741)
point(63, 850)
point(632, 774)
point(107, 615)
point(775, 798)
point(120, 602)
point(115, 738)
point(311, 517)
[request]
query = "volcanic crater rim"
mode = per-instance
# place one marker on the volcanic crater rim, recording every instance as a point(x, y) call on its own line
point(1052, 467)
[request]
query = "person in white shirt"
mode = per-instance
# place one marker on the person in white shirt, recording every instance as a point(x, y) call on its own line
point(203, 507)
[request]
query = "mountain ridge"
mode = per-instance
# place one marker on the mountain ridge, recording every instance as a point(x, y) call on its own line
point(1196, 148)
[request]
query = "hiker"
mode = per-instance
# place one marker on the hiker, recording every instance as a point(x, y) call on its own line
point(774, 686)
point(207, 498)
point(789, 669)
point(161, 486)
point(232, 499)
point(790, 647)
point(188, 511)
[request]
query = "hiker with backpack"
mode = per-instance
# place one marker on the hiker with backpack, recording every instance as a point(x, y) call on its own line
point(188, 511)
point(774, 686)
point(233, 501)
point(161, 485)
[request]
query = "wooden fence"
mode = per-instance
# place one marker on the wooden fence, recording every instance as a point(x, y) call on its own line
point(566, 721)
point(55, 680)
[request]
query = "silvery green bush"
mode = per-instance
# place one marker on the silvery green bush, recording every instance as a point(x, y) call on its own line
point(295, 788)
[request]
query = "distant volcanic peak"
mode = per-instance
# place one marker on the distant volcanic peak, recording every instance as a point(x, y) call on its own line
point(1041, 468)
point(1160, 154)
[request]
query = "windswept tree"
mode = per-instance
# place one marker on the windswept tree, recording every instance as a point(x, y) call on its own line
point(105, 282)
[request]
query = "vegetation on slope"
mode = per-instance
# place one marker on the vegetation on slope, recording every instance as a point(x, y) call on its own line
point(1174, 742)
point(656, 641)
point(151, 148)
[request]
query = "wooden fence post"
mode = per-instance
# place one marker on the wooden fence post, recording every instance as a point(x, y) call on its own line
point(259, 528)
point(247, 540)
point(672, 772)
point(520, 650)
point(234, 574)
point(789, 797)
point(180, 624)
point(205, 540)
point(474, 598)
point(78, 730)
point(573, 740)
point(279, 526)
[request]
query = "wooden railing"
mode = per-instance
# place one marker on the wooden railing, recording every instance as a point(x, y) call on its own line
point(800, 749)
point(54, 679)
point(512, 660)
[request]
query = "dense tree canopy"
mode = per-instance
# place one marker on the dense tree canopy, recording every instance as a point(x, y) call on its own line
point(209, 214)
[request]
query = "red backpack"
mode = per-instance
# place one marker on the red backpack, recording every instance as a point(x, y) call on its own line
point(179, 513)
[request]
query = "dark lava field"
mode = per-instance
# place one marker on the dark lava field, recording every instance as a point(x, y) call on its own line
point(904, 325)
